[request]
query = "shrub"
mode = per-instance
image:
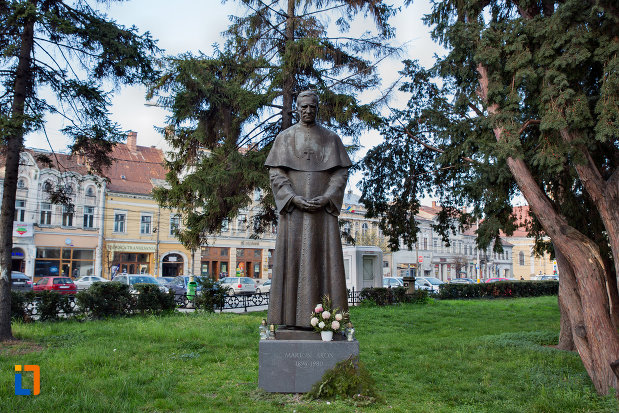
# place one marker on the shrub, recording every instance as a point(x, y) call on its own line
point(502, 289)
point(105, 299)
point(51, 304)
point(150, 299)
point(18, 306)
point(389, 296)
point(348, 379)
point(211, 295)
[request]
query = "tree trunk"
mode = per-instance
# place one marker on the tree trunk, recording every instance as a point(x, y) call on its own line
point(14, 143)
point(566, 337)
point(586, 297)
point(288, 72)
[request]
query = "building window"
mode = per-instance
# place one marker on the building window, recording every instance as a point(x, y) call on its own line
point(46, 213)
point(145, 224)
point(364, 227)
point(89, 216)
point(90, 191)
point(225, 225)
point(20, 210)
point(521, 258)
point(175, 224)
point(119, 221)
point(425, 243)
point(21, 183)
point(73, 262)
point(241, 223)
point(67, 216)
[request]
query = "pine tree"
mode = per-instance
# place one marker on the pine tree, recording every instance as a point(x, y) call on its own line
point(526, 101)
point(227, 108)
point(70, 49)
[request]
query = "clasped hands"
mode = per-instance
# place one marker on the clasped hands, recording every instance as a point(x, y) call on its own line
point(310, 205)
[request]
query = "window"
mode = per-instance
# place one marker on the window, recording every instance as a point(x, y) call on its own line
point(46, 213)
point(521, 258)
point(175, 224)
point(89, 216)
point(364, 227)
point(241, 223)
point(257, 194)
point(225, 225)
point(90, 191)
point(20, 210)
point(425, 243)
point(119, 221)
point(21, 183)
point(47, 186)
point(67, 216)
point(145, 224)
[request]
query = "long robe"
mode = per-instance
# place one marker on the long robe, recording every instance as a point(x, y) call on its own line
point(308, 261)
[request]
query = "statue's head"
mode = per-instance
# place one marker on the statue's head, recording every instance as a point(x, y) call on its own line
point(307, 106)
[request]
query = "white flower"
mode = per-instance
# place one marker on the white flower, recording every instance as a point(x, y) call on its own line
point(314, 321)
point(321, 324)
point(318, 309)
point(326, 315)
point(338, 317)
point(335, 325)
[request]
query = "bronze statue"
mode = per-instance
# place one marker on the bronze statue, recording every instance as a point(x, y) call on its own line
point(308, 171)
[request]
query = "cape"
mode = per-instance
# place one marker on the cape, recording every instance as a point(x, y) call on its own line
point(308, 148)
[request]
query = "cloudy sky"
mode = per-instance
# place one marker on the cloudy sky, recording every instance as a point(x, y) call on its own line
point(195, 25)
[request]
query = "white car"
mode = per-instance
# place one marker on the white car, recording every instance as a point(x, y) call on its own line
point(392, 282)
point(85, 282)
point(264, 288)
point(239, 285)
point(428, 283)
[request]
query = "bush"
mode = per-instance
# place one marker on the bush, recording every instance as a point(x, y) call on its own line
point(106, 299)
point(389, 296)
point(150, 299)
point(501, 289)
point(51, 304)
point(211, 295)
point(18, 306)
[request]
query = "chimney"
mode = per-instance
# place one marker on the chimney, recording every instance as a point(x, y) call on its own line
point(132, 140)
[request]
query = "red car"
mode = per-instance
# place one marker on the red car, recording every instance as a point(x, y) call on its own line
point(62, 285)
point(493, 280)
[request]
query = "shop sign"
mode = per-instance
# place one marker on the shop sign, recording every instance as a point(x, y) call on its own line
point(21, 229)
point(420, 258)
point(131, 247)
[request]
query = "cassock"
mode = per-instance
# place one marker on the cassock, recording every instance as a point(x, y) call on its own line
point(307, 263)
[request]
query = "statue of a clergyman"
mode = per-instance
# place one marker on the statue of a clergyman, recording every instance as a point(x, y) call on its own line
point(308, 171)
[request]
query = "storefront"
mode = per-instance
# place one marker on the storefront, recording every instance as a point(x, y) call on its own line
point(172, 265)
point(249, 262)
point(66, 261)
point(131, 263)
point(215, 262)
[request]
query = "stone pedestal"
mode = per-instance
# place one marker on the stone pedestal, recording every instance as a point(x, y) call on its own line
point(293, 366)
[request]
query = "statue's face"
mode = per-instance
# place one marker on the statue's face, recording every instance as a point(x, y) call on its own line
point(307, 107)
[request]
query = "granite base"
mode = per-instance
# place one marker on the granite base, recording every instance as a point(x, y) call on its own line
point(294, 366)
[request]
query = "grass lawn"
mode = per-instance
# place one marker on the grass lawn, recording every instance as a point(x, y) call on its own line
point(448, 356)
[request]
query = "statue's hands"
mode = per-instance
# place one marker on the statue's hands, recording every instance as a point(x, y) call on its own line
point(319, 201)
point(301, 203)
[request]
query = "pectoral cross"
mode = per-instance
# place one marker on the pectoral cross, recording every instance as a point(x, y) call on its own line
point(308, 152)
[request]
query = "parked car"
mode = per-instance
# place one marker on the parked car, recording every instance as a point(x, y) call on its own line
point(392, 282)
point(63, 285)
point(132, 279)
point(164, 280)
point(462, 281)
point(20, 282)
point(179, 284)
point(239, 285)
point(264, 288)
point(83, 283)
point(494, 280)
point(428, 283)
point(549, 278)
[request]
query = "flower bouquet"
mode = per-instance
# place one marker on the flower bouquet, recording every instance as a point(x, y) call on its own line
point(326, 319)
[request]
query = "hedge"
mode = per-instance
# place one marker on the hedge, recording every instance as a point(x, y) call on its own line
point(105, 299)
point(501, 289)
point(388, 296)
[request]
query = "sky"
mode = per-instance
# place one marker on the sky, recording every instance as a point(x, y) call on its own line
point(196, 25)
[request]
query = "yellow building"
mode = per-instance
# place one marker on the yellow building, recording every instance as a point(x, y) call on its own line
point(138, 234)
point(526, 264)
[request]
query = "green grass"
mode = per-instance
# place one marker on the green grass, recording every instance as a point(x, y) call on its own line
point(448, 356)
